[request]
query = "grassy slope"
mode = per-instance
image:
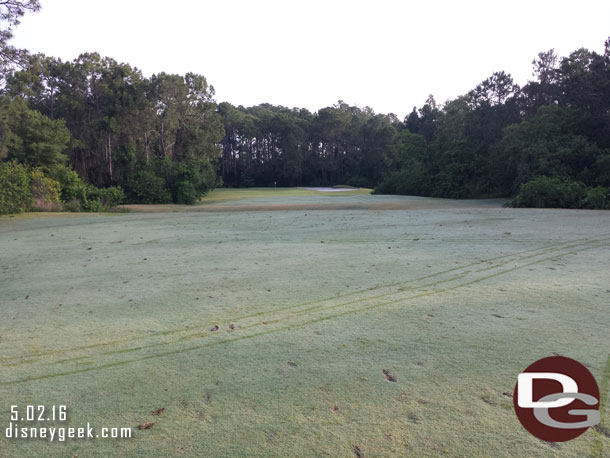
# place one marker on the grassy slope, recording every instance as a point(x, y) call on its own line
point(454, 303)
point(225, 194)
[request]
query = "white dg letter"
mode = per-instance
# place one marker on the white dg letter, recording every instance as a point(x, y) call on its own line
point(525, 383)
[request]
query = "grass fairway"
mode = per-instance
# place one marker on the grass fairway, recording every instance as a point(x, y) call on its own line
point(314, 297)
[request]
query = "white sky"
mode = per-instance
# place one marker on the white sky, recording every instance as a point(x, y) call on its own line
point(387, 54)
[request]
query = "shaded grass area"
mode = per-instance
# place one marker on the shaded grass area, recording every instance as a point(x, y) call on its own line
point(291, 333)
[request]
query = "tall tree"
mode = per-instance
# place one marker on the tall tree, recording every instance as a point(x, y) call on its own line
point(11, 12)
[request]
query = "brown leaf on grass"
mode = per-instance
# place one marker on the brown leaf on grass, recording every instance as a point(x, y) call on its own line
point(158, 411)
point(508, 394)
point(292, 364)
point(357, 451)
point(215, 328)
point(389, 376)
point(231, 327)
point(147, 425)
point(496, 315)
point(335, 408)
point(27, 297)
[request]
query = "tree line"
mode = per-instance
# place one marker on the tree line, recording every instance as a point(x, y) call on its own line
point(90, 133)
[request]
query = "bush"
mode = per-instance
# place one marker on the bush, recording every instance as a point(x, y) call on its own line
point(411, 181)
point(108, 197)
point(598, 198)
point(45, 192)
point(185, 193)
point(73, 188)
point(90, 205)
point(545, 192)
point(15, 193)
point(92, 199)
point(192, 180)
point(145, 187)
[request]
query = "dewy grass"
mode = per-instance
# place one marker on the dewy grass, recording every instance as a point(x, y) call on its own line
point(116, 317)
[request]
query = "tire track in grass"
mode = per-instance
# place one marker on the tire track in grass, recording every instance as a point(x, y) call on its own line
point(30, 359)
point(544, 249)
point(308, 321)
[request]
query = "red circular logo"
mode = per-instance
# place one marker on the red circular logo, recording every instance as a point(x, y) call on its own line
point(556, 399)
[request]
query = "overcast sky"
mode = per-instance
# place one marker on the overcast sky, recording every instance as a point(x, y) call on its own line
point(386, 54)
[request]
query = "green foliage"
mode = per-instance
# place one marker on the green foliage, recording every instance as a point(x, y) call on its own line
point(598, 198)
point(547, 144)
point(144, 187)
point(80, 196)
point(73, 188)
point(15, 193)
point(192, 180)
point(359, 182)
point(184, 192)
point(545, 192)
point(10, 16)
point(34, 139)
point(89, 205)
point(164, 139)
point(45, 192)
point(411, 180)
point(107, 197)
point(91, 199)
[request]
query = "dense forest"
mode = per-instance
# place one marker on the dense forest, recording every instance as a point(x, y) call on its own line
point(91, 133)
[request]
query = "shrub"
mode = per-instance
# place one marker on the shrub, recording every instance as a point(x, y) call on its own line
point(108, 197)
point(545, 192)
point(598, 198)
point(91, 205)
point(15, 193)
point(411, 180)
point(45, 192)
point(72, 206)
point(145, 187)
point(185, 193)
point(73, 188)
point(192, 180)
point(94, 199)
